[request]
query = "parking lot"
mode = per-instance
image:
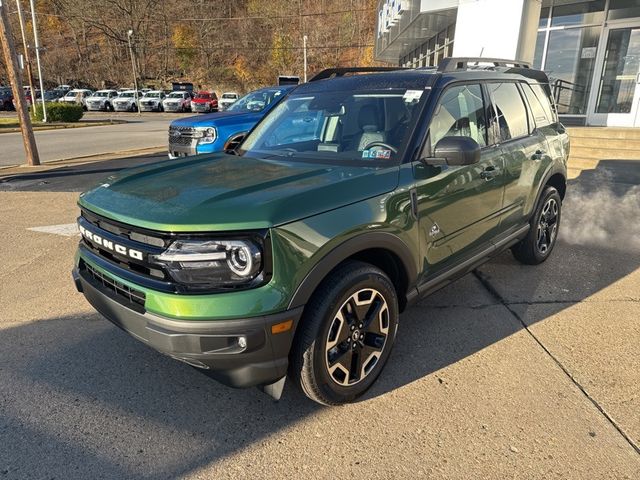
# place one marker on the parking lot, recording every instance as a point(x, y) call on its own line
point(511, 372)
point(140, 132)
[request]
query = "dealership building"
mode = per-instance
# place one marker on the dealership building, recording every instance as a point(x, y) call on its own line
point(589, 49)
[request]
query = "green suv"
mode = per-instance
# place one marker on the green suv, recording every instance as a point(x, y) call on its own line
point(295, 253)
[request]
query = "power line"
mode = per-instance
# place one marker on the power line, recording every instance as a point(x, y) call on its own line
point(218, 19)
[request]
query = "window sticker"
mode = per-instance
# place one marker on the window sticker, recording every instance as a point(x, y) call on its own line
point(412, 96)
point(377, 154)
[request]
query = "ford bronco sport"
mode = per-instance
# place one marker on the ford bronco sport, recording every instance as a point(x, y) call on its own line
point(296, 252)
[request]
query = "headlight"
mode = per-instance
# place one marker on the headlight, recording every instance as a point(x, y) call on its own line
point(206, 135)
point(211, 264)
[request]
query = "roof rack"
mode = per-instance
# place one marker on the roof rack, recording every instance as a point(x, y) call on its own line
point(452, 64)
point(340, 72)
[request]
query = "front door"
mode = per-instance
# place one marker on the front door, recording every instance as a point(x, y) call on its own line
point(616, 98)
point(458, 206)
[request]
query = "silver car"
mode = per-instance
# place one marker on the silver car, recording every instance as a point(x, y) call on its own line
point(127, 101)
point(152, 101)
point(101, 100)
point(177, 102)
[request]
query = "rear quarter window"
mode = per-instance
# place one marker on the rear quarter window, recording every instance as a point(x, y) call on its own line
point(509, 115)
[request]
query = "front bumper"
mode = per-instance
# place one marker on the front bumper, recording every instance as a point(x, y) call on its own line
point(151, 107)
point(96, 107)
point(122, 107)
point(212, 346)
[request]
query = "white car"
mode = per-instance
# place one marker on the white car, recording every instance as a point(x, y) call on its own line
point(152, 101)
point(227, 99)
point(77, 95)
point(101, 100)
point(126, 101)
point(177, 102)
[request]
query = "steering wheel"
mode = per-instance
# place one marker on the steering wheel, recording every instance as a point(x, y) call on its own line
point(381, 144)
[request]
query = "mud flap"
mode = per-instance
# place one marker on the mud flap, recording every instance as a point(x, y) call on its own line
point(274, 390)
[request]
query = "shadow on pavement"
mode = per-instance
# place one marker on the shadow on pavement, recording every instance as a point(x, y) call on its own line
point(166, 419)
point(73, 178)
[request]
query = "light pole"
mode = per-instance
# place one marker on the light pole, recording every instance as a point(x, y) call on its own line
point(26, 55)
point(37, 44)
point(133, 69)
point(304, 56)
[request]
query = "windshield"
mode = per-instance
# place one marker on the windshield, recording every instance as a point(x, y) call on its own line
point(101, 94)
point(153, 95)
point(229, 96)
point(337, 127)
point(176, 95)
point(203, 96)
point(127, 94)
point(73, 93)
point(256, 101)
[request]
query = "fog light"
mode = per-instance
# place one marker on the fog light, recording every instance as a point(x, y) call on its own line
point(242, 342)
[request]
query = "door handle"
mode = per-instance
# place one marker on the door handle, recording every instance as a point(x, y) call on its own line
point(489, 173)
point(539, 155)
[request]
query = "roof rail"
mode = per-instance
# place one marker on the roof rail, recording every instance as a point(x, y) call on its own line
point(341, 71)
point(451, 64)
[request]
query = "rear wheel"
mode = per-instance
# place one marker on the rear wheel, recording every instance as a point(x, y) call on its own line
point(346, 334)
point(536, 247)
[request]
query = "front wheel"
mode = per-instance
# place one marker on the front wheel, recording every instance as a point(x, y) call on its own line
point(346, 334)
point(536, 247)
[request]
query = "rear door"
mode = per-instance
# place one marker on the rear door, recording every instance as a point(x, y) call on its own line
point(525, 150)
point(458, 206)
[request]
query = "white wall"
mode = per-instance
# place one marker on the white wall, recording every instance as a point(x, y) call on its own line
point(497, 29)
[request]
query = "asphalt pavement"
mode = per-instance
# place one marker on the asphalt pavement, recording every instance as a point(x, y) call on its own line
point(149, 130)
point(511, 372)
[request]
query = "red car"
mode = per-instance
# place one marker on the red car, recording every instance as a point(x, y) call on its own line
point(205, 102)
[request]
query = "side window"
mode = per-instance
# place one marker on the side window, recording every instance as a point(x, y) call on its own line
point(460, 113)
point(542, 96)
point(539, 114)
point(509, 115)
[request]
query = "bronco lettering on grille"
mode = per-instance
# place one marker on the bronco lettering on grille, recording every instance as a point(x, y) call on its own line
point(109, 245)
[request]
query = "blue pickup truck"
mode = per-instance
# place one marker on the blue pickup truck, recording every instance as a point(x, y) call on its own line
point(223, 130)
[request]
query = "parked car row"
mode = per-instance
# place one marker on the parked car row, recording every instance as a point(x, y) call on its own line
point(127, 99)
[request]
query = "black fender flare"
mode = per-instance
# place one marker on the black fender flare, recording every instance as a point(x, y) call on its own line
point(359, 243)
point(550, 173)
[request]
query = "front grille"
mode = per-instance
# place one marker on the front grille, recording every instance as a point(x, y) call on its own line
point(181, 136)
point(125, 295)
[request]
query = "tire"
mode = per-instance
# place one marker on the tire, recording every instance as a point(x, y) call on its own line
point(329, 330)
point(537, 246)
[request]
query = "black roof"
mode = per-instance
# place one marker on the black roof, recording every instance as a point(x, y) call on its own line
point(376, 78)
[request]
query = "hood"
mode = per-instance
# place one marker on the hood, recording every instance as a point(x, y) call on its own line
point(218, 119)
point(224, 192)
point(201, 100)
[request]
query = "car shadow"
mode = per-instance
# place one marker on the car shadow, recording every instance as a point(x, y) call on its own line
point(72, 178)
point(165, 419)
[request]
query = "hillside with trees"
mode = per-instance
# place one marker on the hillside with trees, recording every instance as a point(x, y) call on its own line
point(217, 44)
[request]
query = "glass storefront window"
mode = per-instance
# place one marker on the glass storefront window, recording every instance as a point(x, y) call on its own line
point(619, 75)
point(623, 9)
point(544, 17)
point(578, 13)
point(570, 64)
point(537, 56)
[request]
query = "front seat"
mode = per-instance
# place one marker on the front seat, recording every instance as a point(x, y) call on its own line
point(371, 126)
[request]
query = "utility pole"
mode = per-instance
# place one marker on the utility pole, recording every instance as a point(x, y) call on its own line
point(304, 56)
point(34, 25)
point(9, 50)
point(27, 60)
point(133, 68)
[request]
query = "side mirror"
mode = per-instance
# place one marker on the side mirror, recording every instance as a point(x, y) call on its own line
point(455, 151)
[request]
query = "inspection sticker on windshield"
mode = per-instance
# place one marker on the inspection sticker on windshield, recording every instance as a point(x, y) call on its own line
point(411, 96)
point(376, 154)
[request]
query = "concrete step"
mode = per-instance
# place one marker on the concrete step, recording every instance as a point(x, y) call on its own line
point(614, 143)
point(605, 153)
point(604, 132)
